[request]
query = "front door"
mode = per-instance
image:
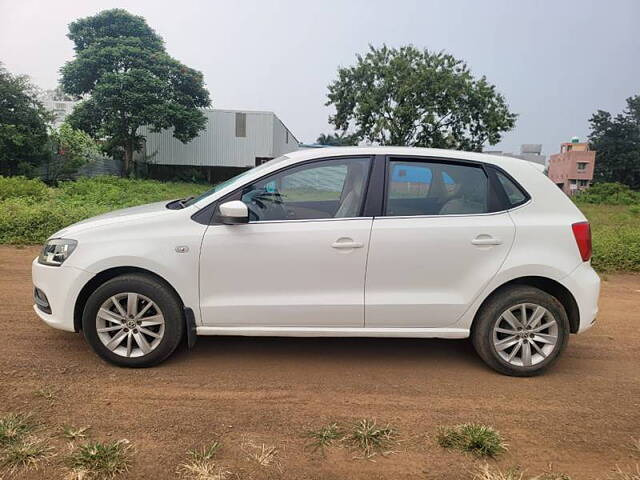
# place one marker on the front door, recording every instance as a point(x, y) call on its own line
point(435, 247)
point(300, 261)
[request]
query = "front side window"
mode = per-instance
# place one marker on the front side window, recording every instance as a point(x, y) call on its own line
point(431, 188)
point(319, 190)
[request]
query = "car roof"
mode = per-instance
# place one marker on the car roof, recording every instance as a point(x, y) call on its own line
point(499, 160)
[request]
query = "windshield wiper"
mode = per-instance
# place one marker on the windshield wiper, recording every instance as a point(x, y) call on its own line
point(184, 201)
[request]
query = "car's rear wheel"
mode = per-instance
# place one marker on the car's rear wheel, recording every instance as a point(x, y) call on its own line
point(521, 331)
point(133, 320)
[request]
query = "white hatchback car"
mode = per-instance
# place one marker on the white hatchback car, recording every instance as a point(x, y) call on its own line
point(352, 242)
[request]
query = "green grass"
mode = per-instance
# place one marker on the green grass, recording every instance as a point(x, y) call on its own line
point(616, 236)
point(100, 461)
point(323, 436)
point(201, 465)
point(20, 449)
point(30, 211)
point(14, 427)
point(478, 439)
point(370, 438)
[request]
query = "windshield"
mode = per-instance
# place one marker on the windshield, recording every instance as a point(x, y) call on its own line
point(232, 180)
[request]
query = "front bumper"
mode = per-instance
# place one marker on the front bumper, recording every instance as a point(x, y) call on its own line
point(61, 285)
point(584, 284)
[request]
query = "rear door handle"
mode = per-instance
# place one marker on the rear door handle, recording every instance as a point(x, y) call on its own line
point(346, 243)
point(486, 240)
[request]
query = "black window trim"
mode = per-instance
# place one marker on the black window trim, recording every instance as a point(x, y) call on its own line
point(506, 203)
point(207, 215)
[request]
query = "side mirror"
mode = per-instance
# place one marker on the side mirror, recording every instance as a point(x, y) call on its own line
point(234, 212)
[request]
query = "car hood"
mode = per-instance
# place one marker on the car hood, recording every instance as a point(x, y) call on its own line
point(117, 216)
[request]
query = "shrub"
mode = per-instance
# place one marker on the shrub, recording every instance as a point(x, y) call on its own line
point(21, 187)
point(609, 193)
point(30, 211)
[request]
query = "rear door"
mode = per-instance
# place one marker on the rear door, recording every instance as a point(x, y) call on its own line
point(437, 244)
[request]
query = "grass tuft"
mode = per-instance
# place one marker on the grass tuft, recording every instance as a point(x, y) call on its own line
point(485, 472)
point(100, 461)
point(263, 454)
point(72, 433)
point(200, 464)
point(480, 440)
point(14, 426)
point(620, 474)
point(323, 437)
point(25, 454)
point(371, 439)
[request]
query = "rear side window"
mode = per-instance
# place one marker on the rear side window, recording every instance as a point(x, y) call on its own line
point(514, 194)
point(431, 188)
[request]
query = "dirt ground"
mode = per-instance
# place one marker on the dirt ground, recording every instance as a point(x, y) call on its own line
point(580, 417)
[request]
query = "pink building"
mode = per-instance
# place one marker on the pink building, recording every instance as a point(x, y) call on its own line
point(572, 168)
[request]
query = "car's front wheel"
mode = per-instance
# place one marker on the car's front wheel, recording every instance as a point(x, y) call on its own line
point(133, 320)
point(521, 331)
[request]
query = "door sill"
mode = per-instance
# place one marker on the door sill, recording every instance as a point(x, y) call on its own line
point(335, 332)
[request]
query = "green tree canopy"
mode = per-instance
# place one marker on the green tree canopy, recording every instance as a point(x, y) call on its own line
point(337, 140)
point(616, 141)
point(74, 148)
point(130, 81)
point(413, 97)
point(23, 125)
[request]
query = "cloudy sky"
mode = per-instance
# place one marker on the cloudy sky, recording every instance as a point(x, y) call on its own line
point(555, 61)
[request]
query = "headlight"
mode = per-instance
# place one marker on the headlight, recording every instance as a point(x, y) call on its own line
point(56, 251)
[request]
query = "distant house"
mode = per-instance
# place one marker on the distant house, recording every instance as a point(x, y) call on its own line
point(232, 141)
point(59, 104)
point(572, 168)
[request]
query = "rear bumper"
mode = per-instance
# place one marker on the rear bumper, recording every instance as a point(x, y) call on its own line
point(61, 285)
point(584, 284)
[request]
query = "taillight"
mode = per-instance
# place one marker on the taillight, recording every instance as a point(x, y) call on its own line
point(582, 233)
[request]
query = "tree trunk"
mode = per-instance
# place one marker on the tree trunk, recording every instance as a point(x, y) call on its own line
point(128, 158)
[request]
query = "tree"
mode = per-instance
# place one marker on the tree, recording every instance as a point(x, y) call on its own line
point(131, 81)
point(337, 140)
point(74, 148)
point(23, 125)
point(414, 97)
point(616, 141)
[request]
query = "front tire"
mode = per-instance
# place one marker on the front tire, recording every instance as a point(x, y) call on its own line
point(133, 320)
point(521, 331)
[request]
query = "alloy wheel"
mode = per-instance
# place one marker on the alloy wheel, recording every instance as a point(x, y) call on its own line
point(130, 324)
point(525, 334)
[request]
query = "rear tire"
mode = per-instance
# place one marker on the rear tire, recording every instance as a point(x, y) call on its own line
point(515, 347)
point(133, 320)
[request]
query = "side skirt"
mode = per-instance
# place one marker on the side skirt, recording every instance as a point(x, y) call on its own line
point(335, 332)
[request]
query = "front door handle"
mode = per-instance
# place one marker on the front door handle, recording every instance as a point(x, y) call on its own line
point(346, 243)
point(486, 240)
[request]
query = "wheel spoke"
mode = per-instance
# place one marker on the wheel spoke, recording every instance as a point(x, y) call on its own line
point(515, 350)
point(512, 320)
point(110, 329)
point(129, 343)
point(526, 354)
point(132, 304)
point(116, 340)
point(149, 332)
point(506, 343)
point(544, 326)
point(109, 316)
point(543, 338)
point(152, 321)
point(141, 313)
point(536, 317)
point(142, 343)
point(523, 314)
point(538, 349)
point(121, 310)
point(505, 330)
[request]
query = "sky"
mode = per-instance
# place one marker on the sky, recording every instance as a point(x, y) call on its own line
point(556, 62)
